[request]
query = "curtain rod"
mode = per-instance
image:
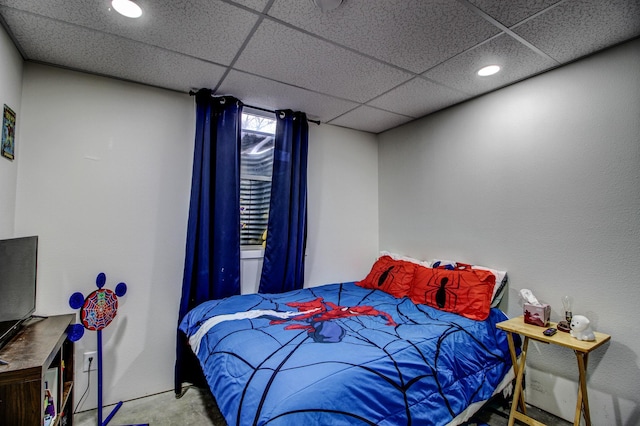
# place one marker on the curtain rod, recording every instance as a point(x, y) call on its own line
point(192, 93)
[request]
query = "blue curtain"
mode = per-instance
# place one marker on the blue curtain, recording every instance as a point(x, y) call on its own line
point(212, 259)
point(283, 267)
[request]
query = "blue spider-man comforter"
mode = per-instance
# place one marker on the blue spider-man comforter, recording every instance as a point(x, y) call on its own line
point(341, 354)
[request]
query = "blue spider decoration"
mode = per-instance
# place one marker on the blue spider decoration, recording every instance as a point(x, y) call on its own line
point(97, 311)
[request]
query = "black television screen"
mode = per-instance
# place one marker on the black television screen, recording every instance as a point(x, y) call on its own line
point(18, 263)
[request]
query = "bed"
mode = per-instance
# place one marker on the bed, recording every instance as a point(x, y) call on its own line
point(351, 353)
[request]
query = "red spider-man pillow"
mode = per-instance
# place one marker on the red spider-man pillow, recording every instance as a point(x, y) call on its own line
point(391, 276)
point(466, 291)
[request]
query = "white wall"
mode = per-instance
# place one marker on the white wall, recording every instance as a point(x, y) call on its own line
point(540, 179)
point(342, 240)
point(105, 181)
point(10, 94)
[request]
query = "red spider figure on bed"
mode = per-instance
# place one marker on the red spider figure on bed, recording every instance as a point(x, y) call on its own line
point(319, 318)
point(441, 294)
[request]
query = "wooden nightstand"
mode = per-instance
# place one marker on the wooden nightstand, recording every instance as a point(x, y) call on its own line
point(580, 348)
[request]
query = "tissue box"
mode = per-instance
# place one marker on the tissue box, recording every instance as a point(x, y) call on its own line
point(537, 315)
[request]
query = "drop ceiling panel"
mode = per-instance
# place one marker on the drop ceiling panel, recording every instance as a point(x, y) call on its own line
point(263, 93)
point(210, 30)
point(575, 28)
point(516, 60)
point(412, 34)
point(282, 54)
point(368, 65)
point(258, 5)
point(370, 119)
point(511, 12)
point(77, 48)
point(417, 98)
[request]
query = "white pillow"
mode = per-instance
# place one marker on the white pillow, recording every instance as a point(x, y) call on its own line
point(444, 263)
point(396, 256)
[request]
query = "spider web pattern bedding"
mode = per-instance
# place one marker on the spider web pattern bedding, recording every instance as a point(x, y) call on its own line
point(341, 354)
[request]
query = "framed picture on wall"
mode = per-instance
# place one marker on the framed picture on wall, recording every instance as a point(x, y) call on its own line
point(8, 133)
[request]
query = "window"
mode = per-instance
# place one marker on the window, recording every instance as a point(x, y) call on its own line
point(256, 167)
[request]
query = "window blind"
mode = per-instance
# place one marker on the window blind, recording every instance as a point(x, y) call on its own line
point(256, 168)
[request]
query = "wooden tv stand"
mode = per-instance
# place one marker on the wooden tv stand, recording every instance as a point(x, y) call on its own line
point(39, 346)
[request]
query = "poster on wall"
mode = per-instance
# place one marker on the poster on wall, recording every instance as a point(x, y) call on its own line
point(8, 133)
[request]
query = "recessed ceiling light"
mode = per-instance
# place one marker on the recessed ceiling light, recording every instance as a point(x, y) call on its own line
point(127, 8)
point(488, 70)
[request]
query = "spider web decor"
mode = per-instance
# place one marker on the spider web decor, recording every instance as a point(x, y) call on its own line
point(97, 311)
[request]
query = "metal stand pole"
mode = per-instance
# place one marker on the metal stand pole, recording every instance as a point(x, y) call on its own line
point(119, 404)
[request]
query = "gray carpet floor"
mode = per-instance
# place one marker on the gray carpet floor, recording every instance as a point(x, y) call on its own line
point(198, 408)
point(195, 408)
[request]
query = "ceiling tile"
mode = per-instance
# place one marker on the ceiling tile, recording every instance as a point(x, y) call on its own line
point(260, 92)
point(258, 5)
point(370, 119)
point(412, 34)
point(417, 98)
point(516, 60)
point(575, 28)
point(282, 54)
point(376, 62)
point(74, 47)
point(210, 30)
point(511, 12)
